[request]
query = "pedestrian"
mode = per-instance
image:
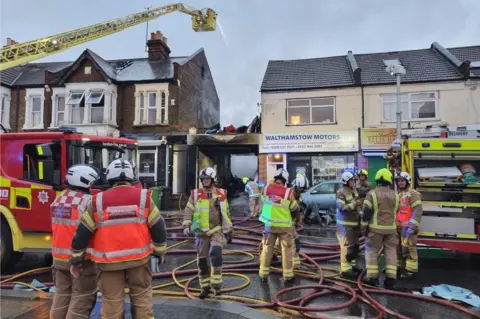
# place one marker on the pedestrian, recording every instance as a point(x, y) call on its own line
point(348, 226)
point(207, 215)
point(379, 228)
point(409, 217)
point(127, 228)
point(278, 213)
point(74, 297)
point(251, 188)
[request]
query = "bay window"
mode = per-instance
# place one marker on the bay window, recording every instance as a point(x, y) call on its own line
point(414, 106)
point(60, 112)
point(77, 103)
point(311, 111)
point(96, 101)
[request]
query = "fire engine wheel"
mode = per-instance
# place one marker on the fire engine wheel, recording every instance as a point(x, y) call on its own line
point(6, 248)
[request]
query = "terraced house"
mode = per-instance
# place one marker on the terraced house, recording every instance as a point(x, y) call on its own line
point(155, 99)
point(328, 114)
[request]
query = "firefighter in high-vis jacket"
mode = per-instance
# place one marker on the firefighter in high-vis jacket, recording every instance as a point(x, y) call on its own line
point(126, 227)
point(409, 217)
point(278, 213)
point(72, 297)
point(251, 188)
point(207, 215)
point(348, 226)
point(379, 228)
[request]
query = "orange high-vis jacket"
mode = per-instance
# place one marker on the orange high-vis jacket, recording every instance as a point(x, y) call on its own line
point(121, 218)
point(66, 212)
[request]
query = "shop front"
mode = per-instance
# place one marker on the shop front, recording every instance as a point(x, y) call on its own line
point(323, 156)
point(374, 143)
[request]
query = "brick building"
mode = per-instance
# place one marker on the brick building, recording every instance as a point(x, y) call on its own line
point(155, 99)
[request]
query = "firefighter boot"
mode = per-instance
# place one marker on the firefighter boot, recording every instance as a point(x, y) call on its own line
point(217, 291)
point(349, 274)
point(389, 283)
point(407, 275)
point(371, 281)
point(204, 293)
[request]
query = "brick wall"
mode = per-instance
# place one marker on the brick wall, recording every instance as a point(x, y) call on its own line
point(17, 110)
point(199, 103)
point(262, 167)
point(79, 76)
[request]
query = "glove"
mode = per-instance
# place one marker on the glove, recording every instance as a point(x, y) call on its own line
point(409, 232)
point(186, 231)
point(76, 270)
point(155, 263)
point(228, 236)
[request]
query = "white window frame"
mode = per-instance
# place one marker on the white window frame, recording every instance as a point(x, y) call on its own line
point(3, 109)
point(69, 101)
point(57, 97)
point(94, 100)
point(311, 107)
point(91, 100)
point(406, 97)
point(149, 107)
point(154, 173)
point(30, 94)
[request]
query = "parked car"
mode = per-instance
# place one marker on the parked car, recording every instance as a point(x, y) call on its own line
point(320, 202)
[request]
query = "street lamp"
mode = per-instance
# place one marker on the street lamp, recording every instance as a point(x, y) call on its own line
point(397, 70)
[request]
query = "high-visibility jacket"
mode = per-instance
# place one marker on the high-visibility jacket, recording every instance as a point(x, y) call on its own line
point(66, 212)
point(122, 232)
point(347, 213)
point(276, 206)
point(384, 203)
point(410, 209)
point(251, 188)
point(201, 213)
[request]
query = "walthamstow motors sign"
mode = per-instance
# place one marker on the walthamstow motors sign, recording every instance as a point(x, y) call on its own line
point(342, 141)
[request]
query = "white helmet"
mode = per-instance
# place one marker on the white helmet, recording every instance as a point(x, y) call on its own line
point(82, 176)
point(406, 176)
point(120, 170)
point(346, 176)
point(301, 182)
point(208, 172)
point(282, 173)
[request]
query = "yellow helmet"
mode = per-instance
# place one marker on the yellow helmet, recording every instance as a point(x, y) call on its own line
point(384, 175)
point(363, 171)
point(245, 180)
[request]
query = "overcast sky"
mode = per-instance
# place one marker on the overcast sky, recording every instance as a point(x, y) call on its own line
point(254, 31)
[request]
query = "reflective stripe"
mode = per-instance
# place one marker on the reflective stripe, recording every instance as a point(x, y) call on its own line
point(131, 220)
point(374, 223)
point(121, 253)
point(99, 205)
point(346, 223)
point(143, 202)
point(63, 221)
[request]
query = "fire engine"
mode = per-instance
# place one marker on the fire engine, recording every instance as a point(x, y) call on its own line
point(444, 163)
point(32, 172)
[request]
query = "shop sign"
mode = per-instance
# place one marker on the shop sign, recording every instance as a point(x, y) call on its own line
point(379, 139)
point(342, 141)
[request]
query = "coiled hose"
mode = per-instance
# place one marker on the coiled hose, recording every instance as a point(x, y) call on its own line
point(251, 236)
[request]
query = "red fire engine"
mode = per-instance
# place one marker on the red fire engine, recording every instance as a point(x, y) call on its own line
point(32, 171)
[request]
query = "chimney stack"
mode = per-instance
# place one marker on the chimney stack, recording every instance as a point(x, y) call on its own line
point(10, 41)
point(157, 47)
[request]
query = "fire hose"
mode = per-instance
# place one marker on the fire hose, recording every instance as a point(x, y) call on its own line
point(326, 284)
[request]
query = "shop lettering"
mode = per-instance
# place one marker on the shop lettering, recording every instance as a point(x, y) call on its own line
point(380, 139)
point(300, 137)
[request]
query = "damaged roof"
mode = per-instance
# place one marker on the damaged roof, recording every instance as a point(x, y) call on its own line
point(121, 70)
point(424, 65)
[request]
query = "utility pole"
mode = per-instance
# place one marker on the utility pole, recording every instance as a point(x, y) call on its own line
point(146, 30)
point(399, 109)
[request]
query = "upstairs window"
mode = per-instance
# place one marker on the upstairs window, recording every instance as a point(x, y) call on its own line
point(77, 102)
point(36, 111)
point(311, 111)
point(96, 101)
point(415, 106)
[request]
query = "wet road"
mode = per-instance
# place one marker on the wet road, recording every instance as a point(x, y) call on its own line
point(456, 270)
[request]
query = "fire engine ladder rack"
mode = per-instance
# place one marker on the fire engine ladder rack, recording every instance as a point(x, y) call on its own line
point(18, 54)
point(453, 132)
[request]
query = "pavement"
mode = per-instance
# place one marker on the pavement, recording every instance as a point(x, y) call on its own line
point(454, 269)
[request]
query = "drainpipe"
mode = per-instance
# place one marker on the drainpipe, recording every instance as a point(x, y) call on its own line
point(17, 107)
point(363, 108)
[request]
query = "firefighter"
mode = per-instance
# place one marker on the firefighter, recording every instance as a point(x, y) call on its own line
point(251, 188)
point(127, 228)
point(72, 297)
point(378, 226)
point(409, 217)
point(207, 216)
point(278, 212)
point(348, 225)
point(363, 186)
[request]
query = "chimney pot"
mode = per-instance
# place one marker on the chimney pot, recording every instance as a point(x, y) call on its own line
point(157, 47)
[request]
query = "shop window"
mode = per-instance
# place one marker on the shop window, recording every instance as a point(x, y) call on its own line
point(275, 158)
point(147, 166)
point(330, 167)
point(31, 159)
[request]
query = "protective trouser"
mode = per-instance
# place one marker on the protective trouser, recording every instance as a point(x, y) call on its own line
point(407, 251)
point(255, 206)
point(112, 284)
point(349, 247)
point(373, 245)
point(74, 298)
point(277, 249)
point(210, 246)
point(286, 243)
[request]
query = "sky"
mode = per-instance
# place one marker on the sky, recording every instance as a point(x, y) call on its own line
point(252, 32)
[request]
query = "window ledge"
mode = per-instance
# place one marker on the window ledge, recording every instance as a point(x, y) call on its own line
point(313, 124)
point(150, 125)
point(416, 120)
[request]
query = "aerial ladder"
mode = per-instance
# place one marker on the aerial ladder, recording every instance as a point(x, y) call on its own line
point(20, 53)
